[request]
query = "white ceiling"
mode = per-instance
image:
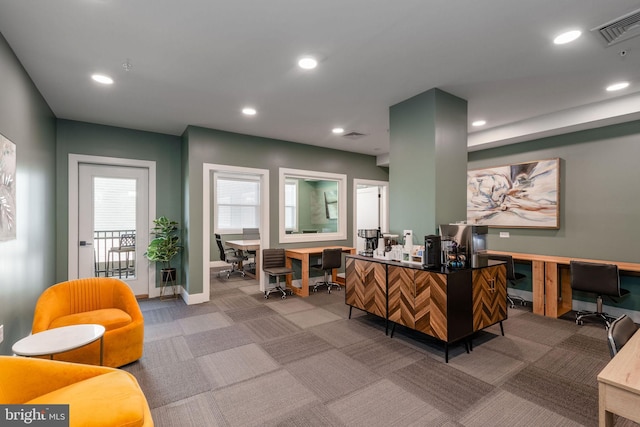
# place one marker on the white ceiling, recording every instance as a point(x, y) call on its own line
point(198, 62)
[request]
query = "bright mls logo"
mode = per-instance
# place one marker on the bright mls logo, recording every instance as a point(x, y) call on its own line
point(34, 415)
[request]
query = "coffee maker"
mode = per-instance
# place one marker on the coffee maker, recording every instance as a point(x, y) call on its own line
point(432, 254)
point(462, 244)
point(370, 237)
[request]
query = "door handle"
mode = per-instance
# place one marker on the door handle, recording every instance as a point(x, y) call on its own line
point(85, 243)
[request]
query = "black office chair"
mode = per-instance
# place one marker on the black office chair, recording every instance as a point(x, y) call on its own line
point(512, 277)
point(620, 331)
point(600, 279)
point(251, 234)
point(231, 257)
point(331, 258)
point(274, 264)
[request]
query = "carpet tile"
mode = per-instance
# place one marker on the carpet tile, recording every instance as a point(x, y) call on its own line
point(217, 340)
point(236, 364)
point(252, 403)
point(242, 360)
point(331, 374)
point(444, 387)
point(295, 347)
point(384, 404)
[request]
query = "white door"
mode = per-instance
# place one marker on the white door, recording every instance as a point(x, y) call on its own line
point(368, 211)
point(113, 224)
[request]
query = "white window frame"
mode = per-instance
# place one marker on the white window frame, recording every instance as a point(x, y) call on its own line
point(340, 179)
point(293, 183)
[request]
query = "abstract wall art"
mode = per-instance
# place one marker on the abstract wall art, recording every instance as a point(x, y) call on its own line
point(521, 195)
point(7, 189)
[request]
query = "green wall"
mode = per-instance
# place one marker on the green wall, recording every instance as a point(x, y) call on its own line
point(599, 203)
point(428, 158)
point(27, 264)
point(311, 193)
point(107, 141)
point(218, 147)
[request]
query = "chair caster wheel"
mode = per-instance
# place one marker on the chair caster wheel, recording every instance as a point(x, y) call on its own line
point(284, 297)
point(315, 290)
point(266, 297)
point(579, 322)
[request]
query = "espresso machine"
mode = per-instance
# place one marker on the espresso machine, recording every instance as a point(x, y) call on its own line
point(462, 244)
point(370, 237)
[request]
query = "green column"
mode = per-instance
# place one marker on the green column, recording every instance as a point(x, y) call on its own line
point(427, 163)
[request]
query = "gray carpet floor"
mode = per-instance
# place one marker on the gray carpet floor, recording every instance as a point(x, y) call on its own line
point(241, 360)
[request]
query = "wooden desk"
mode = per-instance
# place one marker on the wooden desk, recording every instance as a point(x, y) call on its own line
point(552, 295)
point(303, 254)
point(619, 384)
point(247, 245)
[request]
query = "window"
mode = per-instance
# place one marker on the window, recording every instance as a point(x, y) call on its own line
point(236, 202)
point(114, 202)
point(316, 193)
point(291, 205)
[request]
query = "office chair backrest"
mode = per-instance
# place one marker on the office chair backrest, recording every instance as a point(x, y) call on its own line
point(250, 234)
point(331, 258)
point(127, 240)
point(272, 258)
point(620, 331)
point(223, 256)
point(601, 279)
point(508, 259)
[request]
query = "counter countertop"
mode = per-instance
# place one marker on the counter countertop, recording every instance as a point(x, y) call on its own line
point(418, 266)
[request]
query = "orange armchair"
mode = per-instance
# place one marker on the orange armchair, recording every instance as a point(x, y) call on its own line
point(100, 300)
point(96, 395)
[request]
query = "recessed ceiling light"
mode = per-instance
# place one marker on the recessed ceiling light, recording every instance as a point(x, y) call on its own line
point(479, 123)
point(308, 63)
point(617, 86)
point(337, 130)
point(567, 37)
point(101, 78)
point(248, 111)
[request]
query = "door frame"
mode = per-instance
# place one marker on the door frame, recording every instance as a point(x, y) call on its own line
point(384, 205)
point(207, 170)
point(73, 244)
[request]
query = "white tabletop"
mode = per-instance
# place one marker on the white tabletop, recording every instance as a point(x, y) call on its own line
point(244, 244)
point(58, 340)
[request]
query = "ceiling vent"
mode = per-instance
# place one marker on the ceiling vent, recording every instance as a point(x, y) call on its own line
point(620, 29)
point(353, 135)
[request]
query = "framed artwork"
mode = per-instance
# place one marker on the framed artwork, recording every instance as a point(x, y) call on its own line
point(7, 189)
point(521, 195)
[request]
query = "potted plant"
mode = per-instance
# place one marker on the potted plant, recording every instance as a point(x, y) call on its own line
point(162, 248)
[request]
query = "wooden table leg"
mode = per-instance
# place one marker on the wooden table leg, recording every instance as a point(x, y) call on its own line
point(538, 282)
point(305, 275)
point(551, 289)
point(605, 418)
point(304, 290)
